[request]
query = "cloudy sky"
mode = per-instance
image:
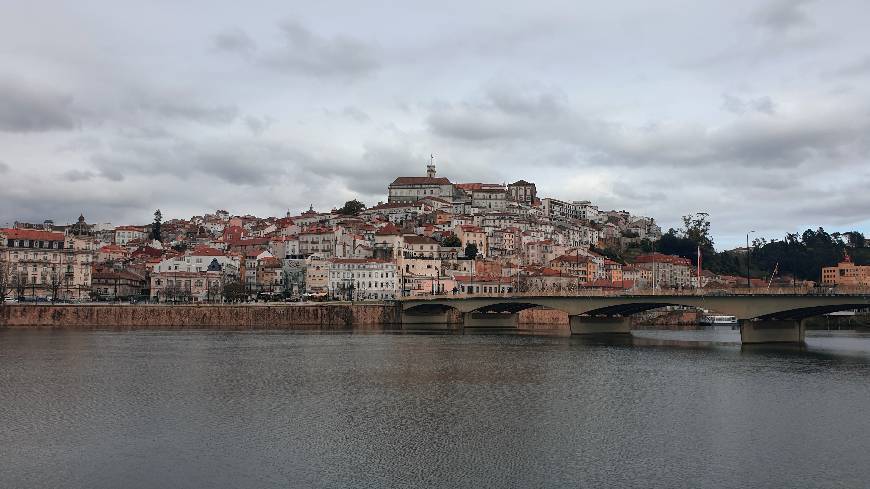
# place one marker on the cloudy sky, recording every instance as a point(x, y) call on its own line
point(756, 112)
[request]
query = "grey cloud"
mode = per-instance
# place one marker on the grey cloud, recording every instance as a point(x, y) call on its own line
point(781, 15)
point(307, 53)
point(860, 67)
point(736, 105)
point(759, 138)
point(257, 125)
point(78, 175)
point(4, 168)
point(234, 40)
point(355, 114)
point(239, 162)
point(26, 108)
point(173, 109)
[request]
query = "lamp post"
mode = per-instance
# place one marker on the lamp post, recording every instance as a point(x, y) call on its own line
point(748, 254)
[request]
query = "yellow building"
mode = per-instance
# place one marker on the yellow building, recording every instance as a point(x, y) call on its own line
point(847, 274)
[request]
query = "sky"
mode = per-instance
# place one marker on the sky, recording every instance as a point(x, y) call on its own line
point(756, 112)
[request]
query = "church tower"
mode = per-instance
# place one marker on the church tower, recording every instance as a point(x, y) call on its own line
point(430, 168)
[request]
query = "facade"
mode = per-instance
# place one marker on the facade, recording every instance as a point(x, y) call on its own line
point(846, 274)
point(125, 234)
point(47, 264)
point(666, 271)
point(411, 189)
point(111, 284)
point(523, 192)
point(363, 279)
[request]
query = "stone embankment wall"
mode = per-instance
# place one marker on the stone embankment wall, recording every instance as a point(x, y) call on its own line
point(281, 316)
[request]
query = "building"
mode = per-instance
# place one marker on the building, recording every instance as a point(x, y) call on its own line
point(125, 234)
point(411, 189)
point(109, 283)
point(846, 274)
point(665, 271)
point(470, 234)
point(523, 192)
point(270, 276)
point(48, 264)
point(363, 279)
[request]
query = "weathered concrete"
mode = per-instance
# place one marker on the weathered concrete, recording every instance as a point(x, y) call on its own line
point(490, 320)
point(213, 316)
point(600, 325)
point(772, 331)
point(448, 319)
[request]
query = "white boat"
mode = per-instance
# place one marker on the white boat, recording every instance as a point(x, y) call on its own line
point(720, 322)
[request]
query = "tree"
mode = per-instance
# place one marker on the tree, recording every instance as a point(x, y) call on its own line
point(54, 280)
point(696, 227)
point(352, 208)
point(451, 241)
point(471, 251)
point(19, 284)
point(4, 281)
point(855, 239)
point(234, 291)
point(156, 227)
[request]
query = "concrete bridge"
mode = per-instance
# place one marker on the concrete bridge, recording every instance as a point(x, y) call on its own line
point(763, 318)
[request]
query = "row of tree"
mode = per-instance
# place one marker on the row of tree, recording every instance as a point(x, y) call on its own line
point(799, 255)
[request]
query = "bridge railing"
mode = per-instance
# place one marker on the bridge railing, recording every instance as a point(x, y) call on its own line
point(760, 291)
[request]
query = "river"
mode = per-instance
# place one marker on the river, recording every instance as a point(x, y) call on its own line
point(107, 409)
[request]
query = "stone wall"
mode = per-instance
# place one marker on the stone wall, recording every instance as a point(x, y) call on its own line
point(280, 316)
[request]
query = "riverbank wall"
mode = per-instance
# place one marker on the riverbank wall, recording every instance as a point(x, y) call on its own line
point(328, 317)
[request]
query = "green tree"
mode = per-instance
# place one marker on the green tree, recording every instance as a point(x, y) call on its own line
point(696, 227)
point(471, 250)
point(352, 208)
point(451, 240)
point(156, 226)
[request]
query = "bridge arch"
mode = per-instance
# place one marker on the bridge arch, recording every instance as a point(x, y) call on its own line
point(808, 312)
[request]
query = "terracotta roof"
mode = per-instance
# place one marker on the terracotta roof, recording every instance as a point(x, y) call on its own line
point(416, 239)
point(206, 251)
point(32, 234)
point(388, 230)
point(420, 181)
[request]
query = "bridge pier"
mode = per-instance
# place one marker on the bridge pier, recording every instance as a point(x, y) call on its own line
point(441, 320)
point(600, 324)
point(491, 320)
point(772, 331)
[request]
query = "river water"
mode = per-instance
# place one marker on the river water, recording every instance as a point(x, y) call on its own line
point(229, 409)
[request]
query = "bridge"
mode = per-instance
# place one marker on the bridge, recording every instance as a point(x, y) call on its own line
point(763, 318)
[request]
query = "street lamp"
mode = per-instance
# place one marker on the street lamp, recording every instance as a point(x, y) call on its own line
point(748, 254)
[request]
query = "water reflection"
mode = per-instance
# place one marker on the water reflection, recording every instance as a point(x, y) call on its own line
point(277, 409)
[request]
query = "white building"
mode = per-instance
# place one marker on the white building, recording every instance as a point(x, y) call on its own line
point(363, 279)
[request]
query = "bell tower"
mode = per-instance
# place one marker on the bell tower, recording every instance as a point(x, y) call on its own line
point(430, 168)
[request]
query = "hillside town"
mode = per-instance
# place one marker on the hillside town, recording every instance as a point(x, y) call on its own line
point(431, 236)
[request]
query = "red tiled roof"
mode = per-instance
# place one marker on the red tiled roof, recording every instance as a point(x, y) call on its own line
point(416, 239)
point(420, 181)
point(206, 251)
point(389, 230)
point(32, 234)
